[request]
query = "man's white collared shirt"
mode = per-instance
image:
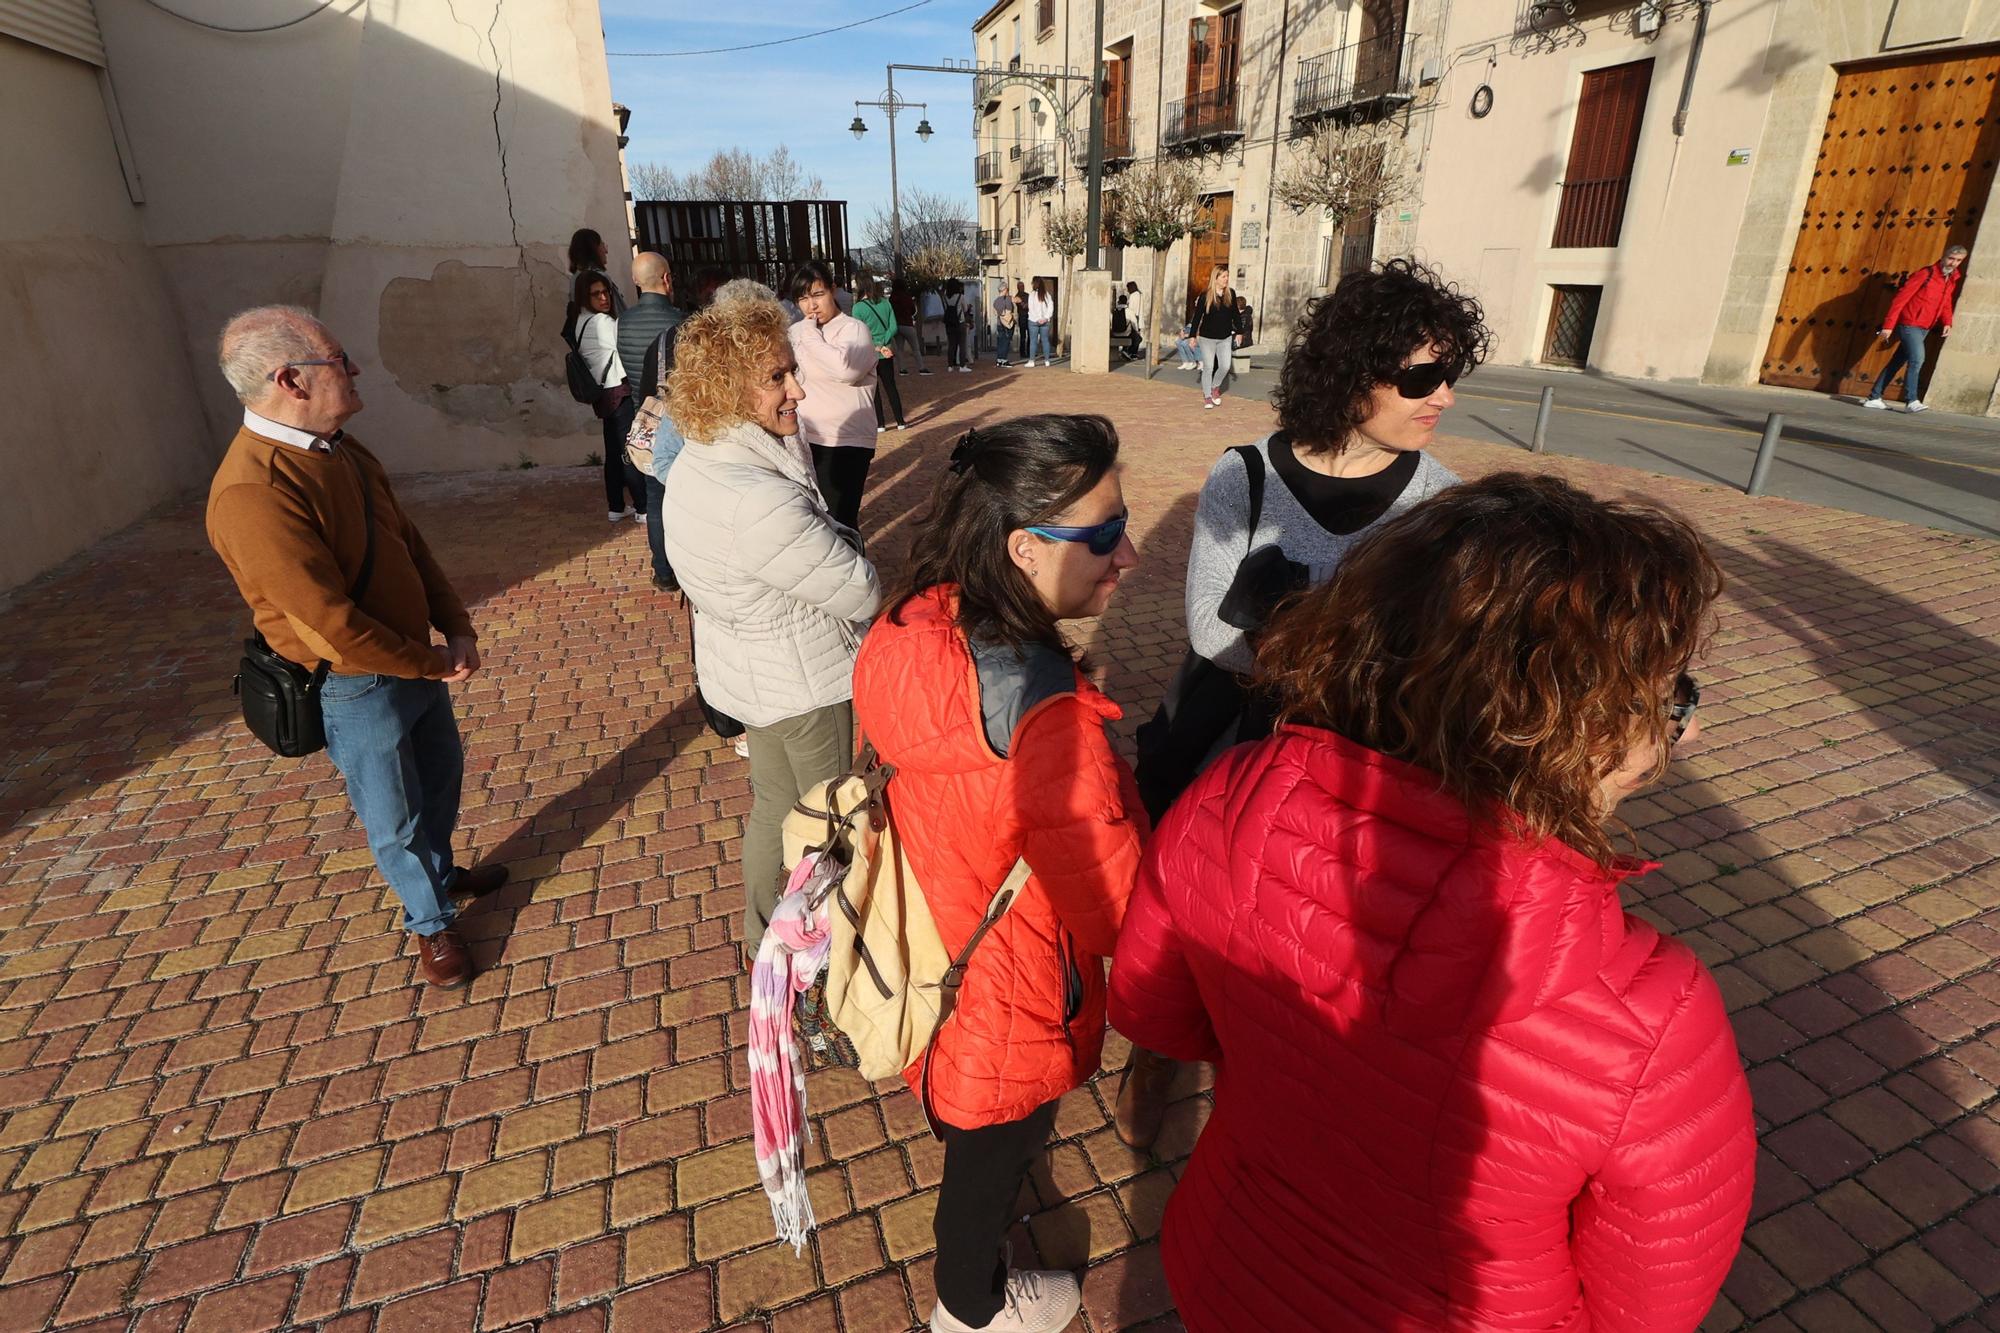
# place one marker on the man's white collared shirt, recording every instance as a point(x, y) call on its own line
point(283, 434)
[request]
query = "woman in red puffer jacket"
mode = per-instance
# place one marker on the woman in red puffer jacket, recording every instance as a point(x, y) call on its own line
point(969, 690)
point(1457, 1087)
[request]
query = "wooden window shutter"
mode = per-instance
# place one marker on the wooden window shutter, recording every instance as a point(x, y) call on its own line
point(1602, 149)
point(1045, 15)
point(1195, 60)
point(1228, 54)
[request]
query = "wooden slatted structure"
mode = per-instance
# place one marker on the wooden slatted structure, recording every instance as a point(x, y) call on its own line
point(1904, 169)
point(1602, 149)
point(761, 239)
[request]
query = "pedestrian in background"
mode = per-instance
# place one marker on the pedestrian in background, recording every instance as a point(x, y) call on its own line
point(969, 688)
point(589, 254)
point(780, 591)
point(289, 512)
point(878, 315)
point(1135, 321)
point(836, 359)
point(1214, 322)
point(1924, 302)
point(955, 325)
point(594, 334)
point(908, 335)
point(1041, 312)
point(1457, 1086)
point(1005, 315)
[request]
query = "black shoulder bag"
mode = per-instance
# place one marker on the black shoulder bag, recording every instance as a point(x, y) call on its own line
point(281, 698)
point(1206, 699)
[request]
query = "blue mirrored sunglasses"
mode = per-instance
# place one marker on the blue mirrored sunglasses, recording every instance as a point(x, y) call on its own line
point(1102, 539)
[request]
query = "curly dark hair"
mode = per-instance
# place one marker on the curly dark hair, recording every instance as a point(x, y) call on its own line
point(1358, 335)
point(1514, 636)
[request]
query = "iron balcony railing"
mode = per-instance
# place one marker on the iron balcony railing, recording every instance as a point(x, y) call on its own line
point(1118, 139)
point(989, 240)
point(1013, 235)
point(985, 89)
point(1377, 72)
point(1592, 213)
point(986, 168)
point(1213, 114)
point(1038, 163)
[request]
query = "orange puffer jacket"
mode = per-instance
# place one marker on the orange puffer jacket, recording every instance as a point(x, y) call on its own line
point(1030, 1019)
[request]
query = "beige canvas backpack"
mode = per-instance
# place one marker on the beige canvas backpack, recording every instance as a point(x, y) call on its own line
point(890, 983)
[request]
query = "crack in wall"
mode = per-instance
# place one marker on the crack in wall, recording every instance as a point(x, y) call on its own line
point(500, 148)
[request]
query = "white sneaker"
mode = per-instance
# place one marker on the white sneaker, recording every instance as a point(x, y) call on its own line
point(616, 514)
point(1875, 404)
point(1190, 365)
point(1047, 362)
point(742, 746)
point(1915, 405)
point(1036, 1302)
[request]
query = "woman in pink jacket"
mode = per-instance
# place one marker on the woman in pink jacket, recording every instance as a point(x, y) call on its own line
point(836, 359)
point(1457, 1086)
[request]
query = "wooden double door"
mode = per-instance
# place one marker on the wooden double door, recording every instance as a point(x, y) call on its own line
point(1904, 170)
point(1212, 246)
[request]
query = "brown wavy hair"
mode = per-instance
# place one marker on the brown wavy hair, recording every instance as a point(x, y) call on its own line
point(719, 355)
point(1513, 636)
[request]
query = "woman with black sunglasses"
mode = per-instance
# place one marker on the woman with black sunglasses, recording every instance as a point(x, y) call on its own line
point(1003, 775)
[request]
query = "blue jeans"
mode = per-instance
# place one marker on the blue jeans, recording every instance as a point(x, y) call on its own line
point(1038, 340)
point(1006, 344)
point(396, 742)
point(1186, 350)
point(1910, 350)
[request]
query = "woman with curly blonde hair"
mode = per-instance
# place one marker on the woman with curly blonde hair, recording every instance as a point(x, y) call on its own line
point(780, 590)
point(1458, 1087)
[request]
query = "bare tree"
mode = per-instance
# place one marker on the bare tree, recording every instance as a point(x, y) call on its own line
point(1347, 171)
point(1066, 232)
point(1159, 202)
point(732, 173)
point(930, 221)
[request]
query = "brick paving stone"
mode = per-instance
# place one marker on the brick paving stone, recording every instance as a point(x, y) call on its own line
point(223, 1090)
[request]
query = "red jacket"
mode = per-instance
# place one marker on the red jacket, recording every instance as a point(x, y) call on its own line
point(1924, 300)
point(1063, 800)
point(1457, 1087)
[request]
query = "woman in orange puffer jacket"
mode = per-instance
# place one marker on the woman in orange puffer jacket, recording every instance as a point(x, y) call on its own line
point(1457, 1086)
point(969, 690)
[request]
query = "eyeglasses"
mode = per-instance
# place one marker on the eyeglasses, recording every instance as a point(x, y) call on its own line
point(1680, 709)
point(1101, 540)
point(344, 361)
point(1422, 379)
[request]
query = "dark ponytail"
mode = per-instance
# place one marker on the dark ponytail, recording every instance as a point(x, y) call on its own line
point(1002, 477)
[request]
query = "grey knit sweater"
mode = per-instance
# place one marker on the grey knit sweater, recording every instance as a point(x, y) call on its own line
point(1220, 542)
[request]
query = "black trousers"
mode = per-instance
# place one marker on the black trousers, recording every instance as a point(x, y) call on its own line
point(983, 1171)
point(885, 388)
point(843, 474)
point(954, 340)
point(620, 477)
point(656, 530)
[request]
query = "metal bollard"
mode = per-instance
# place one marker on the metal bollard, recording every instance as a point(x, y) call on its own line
point(1767, 449)
point(1541, 442)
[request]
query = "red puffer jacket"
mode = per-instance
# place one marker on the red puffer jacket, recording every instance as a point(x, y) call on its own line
point(1924, 300)
point(1030, 1019)
point(1458, 1088)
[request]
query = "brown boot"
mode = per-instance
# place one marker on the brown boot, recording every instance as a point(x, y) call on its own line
point(446, 964)
point(1142, 1099)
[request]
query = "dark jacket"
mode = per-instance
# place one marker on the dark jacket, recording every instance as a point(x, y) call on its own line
point(643, 322)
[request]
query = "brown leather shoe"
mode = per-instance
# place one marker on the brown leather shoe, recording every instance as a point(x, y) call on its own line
point(1142, 1099)
point(479, 881)
point(446, 964)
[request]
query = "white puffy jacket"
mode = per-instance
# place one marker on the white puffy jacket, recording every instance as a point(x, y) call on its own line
point(777, 586)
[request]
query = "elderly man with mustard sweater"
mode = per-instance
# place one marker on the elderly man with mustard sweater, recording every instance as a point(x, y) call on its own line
point(287, 514)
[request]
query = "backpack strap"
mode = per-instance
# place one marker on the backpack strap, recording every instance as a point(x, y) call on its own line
point(1253, 470)
point(954, 977)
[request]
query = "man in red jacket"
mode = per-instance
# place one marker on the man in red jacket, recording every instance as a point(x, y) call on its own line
point(1923, 302)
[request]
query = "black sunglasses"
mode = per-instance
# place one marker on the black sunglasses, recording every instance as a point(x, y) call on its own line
point(1422, 379)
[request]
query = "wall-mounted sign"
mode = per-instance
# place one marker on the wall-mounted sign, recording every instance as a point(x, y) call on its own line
point(1739, 157)
point(1403, 217)
point(1249, 235)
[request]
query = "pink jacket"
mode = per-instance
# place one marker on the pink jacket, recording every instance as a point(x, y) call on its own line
point(837, 371)
point(1457, 1087)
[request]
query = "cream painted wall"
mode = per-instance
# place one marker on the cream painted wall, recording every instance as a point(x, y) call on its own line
point(101, 421)
point(1490, 186)
point(411, 169)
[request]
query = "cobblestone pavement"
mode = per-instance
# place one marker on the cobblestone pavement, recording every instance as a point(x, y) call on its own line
point(228, 1105)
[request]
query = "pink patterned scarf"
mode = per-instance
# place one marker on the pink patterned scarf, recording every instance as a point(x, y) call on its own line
point(789, 960)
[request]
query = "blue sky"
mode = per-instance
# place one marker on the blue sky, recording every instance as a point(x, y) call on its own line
point(801, 94)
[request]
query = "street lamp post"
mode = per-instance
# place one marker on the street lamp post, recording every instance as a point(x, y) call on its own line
point(889, 105)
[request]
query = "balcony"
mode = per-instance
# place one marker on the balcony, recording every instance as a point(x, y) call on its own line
point(1211, 119)
point(989, 241)
point(986, 90)
point(1592, 213)
point(1118, 140)
point(1038, 166)
point(986, 170)
point(1357, 80)
point(1013, 235)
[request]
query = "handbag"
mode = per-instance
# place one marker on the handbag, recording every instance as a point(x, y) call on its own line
point(646, 422)
point(280, 698)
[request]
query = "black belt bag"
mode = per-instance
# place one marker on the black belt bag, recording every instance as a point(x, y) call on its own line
point(281, 704)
